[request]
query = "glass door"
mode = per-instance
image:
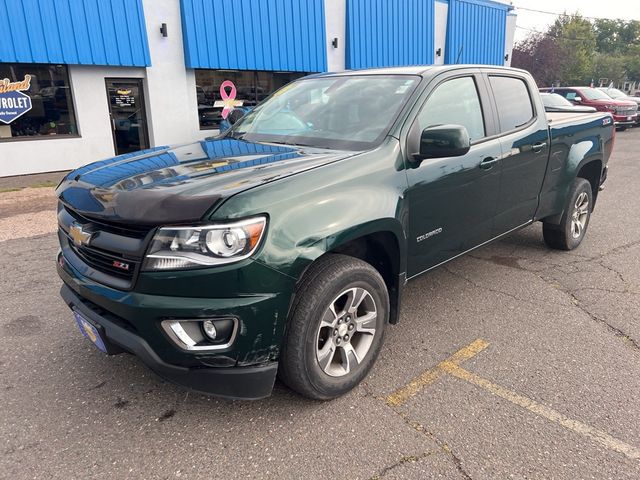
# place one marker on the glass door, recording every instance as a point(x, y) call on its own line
point(128, 115)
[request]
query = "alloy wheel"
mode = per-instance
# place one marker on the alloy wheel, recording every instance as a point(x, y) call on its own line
point(580, 215)
point(346, 332)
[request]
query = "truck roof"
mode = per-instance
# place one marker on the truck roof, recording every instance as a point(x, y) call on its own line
point(414, 70)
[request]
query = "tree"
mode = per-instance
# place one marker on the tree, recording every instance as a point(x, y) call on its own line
point(576, 39)
point(609, 66)
point(540, 55)
point(574, 50)
point(607, 39)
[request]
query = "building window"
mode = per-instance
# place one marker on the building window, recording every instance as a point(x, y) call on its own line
point(35, 102)
point(251, 88)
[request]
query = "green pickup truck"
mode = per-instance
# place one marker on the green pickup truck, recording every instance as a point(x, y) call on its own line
point(282, 246)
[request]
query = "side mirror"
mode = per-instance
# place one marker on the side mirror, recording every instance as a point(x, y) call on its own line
point(577, 99)
point(443, 141)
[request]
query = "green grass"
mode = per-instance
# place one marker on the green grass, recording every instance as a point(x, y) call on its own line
point(47, 184)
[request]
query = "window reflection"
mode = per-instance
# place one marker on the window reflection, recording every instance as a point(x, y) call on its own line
point(52, 102)
point(251, 88)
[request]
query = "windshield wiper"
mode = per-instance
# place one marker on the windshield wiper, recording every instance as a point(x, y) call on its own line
point(235, 136)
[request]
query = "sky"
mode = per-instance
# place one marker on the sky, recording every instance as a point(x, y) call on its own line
point(625, 9)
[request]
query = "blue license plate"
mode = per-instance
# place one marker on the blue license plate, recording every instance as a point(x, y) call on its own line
point(89, 331)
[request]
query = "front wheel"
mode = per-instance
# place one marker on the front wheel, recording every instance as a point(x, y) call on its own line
point(336, 327)
point(575, 219)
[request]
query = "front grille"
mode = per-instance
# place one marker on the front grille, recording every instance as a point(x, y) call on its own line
point(113, 253)
point(127, 230)
point(106, 262)
point(626, 110)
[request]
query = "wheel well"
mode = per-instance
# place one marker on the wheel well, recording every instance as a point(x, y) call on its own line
point(381, 251)
point(591, 172)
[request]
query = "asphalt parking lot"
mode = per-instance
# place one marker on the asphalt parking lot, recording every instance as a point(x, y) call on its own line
point(512, 362)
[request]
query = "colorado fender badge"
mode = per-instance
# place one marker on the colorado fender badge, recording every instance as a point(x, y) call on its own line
point(429, 235)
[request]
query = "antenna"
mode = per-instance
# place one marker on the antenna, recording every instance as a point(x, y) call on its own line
point(459, 53)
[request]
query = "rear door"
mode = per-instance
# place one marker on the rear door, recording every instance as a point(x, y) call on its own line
point(524, 138)
point(452, 201)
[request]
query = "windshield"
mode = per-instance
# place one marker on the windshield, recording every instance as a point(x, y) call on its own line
point(593, 94)
point(342, 112)
point(614, 92)
point(555, 100)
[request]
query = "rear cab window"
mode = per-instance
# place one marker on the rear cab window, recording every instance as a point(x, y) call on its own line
point(513, 101)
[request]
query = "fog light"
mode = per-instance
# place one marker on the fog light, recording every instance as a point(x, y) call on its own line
point(209, 329)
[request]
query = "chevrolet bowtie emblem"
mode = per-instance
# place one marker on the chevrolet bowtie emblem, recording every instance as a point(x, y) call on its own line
point(78, 235)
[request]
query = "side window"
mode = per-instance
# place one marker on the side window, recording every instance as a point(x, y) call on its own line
point(456, 102)
point(513, 101)
point(570, 95)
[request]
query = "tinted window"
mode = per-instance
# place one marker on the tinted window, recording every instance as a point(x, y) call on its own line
point(49, 96)
point(454, 102)
point(513, 102)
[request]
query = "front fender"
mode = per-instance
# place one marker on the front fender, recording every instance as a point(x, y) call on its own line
point(314, 212)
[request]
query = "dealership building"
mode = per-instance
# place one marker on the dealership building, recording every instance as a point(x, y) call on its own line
point(84, 80)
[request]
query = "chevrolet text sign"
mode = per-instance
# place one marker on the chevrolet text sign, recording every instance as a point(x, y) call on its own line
point(14, 103)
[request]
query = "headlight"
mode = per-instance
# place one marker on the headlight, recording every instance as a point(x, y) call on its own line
point(190, 247)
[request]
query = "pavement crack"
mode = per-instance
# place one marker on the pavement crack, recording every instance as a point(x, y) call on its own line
point(458, 463)
point(489, 289)
point(575, 301)
point(404, 459)
point(442, 445)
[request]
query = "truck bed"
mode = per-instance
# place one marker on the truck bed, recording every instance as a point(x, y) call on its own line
point(560, 118)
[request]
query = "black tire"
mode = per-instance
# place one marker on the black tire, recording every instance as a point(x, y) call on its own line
point(563, 236)
point(321, 287)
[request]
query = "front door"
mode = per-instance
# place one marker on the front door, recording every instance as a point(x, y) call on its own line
point(128, 115)
point(452, 201)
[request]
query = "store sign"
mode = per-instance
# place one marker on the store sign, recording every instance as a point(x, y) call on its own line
point(14, 103)
point(125, 98)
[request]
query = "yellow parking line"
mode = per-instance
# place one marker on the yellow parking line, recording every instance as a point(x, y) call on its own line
point(425, 379)
point(598, 436)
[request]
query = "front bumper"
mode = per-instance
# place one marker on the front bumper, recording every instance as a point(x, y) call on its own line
point(257, 296)
point(625, 120)
point(248, 383)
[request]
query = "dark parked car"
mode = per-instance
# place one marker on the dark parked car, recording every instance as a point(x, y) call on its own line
point(557, 103)
point(284, 244)
point(625, 112)
point(620, 95)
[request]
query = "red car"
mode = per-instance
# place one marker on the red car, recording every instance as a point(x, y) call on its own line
point(624, 112)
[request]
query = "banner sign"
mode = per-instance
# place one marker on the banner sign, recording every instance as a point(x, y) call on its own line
point(14, 103)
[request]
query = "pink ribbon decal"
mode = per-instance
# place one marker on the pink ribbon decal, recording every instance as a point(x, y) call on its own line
point(228, 99)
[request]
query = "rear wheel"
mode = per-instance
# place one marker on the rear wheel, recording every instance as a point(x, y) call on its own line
point(575, 219)
point(336, 328)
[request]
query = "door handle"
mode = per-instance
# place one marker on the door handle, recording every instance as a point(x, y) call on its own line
point(537, 147)
point(487, 163)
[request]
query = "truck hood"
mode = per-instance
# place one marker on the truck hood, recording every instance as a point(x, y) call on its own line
point(167, 185)
point(612, 101)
